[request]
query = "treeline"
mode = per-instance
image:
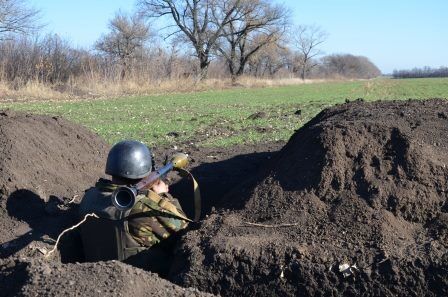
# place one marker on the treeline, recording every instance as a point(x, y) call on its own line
point(421, 72)
point(53, 60)
point(211, 38)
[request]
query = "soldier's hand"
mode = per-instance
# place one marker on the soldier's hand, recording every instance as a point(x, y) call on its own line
point(160, 187)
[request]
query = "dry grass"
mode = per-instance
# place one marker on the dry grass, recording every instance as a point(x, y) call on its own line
point(252, 82)
point(97, 88)
point(30, 91)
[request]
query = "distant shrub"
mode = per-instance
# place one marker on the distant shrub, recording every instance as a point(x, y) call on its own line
point(348, 66)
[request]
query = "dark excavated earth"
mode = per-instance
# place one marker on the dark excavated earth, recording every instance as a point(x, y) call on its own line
point(354, 204)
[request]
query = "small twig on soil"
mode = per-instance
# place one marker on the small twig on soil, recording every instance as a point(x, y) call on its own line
point(377, 263)
point(68, 229)
point(271, 226)
point(73, 199)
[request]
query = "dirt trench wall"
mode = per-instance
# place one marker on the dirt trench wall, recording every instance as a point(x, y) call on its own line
point(34, 277)
point(43, 157)
point(48, 155)
point(355, 203)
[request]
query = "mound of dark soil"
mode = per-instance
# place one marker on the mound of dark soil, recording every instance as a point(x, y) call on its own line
point(43, 158)
point(355, 203)
point(43, 278)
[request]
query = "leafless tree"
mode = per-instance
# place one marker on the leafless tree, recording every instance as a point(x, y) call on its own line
point(305, 40)
point(17, 17)
point(254, 25)
point(127, 35)
point(193, 19)
point(269, 60)
point(50, 59)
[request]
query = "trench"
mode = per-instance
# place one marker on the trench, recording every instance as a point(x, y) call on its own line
point(47, 219)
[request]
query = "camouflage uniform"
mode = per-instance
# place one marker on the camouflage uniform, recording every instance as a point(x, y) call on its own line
point(149, 222)
point(152, 225)
point(151, 219)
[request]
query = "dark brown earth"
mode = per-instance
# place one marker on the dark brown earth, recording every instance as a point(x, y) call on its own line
point(37, 277)
point(362, 184)
point(44, 159)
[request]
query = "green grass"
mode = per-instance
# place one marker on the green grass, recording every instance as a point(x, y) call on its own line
point(220, 118)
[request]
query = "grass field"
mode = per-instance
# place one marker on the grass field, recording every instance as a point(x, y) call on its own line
point(220, 118)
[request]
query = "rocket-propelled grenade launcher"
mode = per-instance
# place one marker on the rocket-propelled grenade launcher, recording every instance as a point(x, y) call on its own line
point(124, 197)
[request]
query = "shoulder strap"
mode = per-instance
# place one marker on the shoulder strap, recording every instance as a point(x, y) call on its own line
point(196, 192)
point(165, 204)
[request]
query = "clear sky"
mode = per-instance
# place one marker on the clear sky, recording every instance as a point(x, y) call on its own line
point(394, 34)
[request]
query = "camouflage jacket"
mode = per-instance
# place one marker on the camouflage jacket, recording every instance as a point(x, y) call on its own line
point(153, 218)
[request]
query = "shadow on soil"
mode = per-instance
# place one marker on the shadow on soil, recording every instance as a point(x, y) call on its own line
point(218, 179)
point(46, 221)
point(12, 278)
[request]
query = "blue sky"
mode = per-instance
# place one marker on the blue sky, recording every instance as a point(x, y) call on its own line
point(394, 34)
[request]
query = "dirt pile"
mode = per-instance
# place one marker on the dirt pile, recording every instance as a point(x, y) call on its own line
point(43, 158)
point(355, 203)
point(43, 278)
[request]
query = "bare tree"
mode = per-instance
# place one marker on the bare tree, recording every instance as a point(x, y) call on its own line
point(17, 17)
point(306, 40)
point(127, 35)
point(269, 60)
point(193, 19)
point(255, 24)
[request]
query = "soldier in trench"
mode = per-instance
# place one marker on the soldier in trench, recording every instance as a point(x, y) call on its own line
point(143, 236)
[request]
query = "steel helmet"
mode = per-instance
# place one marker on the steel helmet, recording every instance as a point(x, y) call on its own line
point(129, 159)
